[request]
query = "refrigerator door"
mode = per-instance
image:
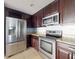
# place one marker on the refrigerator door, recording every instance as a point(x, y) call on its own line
point(25, 29)
point(11, 29)
point(22, 29)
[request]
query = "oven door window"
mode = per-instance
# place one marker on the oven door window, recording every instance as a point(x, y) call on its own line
point(46, 46)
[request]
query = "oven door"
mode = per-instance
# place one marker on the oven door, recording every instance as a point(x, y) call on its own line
point(47, 47)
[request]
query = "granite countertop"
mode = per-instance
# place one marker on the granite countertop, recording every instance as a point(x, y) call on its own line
point(63, 40)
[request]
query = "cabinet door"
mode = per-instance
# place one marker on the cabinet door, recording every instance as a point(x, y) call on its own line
point(39, 18)
point(29, 41)
point(61, 9)
point(35, 20)
point(51, 8)
point(35, 43)
point(64, 51)
point(63, 54)
point(69, 11)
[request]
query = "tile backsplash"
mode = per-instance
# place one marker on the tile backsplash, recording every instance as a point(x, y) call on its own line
point(41, 31)
point(68, 34)
point(31, 30)
point(68, 31)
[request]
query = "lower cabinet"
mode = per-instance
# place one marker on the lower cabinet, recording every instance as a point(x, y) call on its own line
point(35, 42)
point(63, 52)
point(29, 41)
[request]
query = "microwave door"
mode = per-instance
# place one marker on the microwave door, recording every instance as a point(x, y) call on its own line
point(56, 19)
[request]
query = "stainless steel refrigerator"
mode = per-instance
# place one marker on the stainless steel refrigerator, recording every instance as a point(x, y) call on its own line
point(15, 34)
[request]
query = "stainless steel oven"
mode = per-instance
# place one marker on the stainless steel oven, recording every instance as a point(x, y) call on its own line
point(48, 42)
point(47, 47)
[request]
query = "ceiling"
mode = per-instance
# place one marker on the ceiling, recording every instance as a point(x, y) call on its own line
point(27, 6)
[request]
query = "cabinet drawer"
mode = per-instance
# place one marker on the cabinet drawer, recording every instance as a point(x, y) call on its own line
point(34, 37)
point(14, 48)
point(66, 46)
point(11, 49)
point(21, 46)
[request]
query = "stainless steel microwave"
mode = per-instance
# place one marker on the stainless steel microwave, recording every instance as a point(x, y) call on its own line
point(51, 20)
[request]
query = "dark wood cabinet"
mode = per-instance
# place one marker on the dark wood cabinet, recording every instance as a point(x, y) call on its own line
point(16, 14)
point(48, 10)
point(63, 51)
point(34, 18)
point(20, 15)
point(60, 10)
point(25, 16)
point(67, 11)
point(30, 22)
point(39, 18)
point(28, 44)
point(51, 8)
point(35, 42)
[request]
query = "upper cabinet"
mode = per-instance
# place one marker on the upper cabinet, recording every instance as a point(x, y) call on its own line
point(16, 14)
point(67, 11)
point(37, 18)
point(34, 18)
point(51, 8)
point(48, 10)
